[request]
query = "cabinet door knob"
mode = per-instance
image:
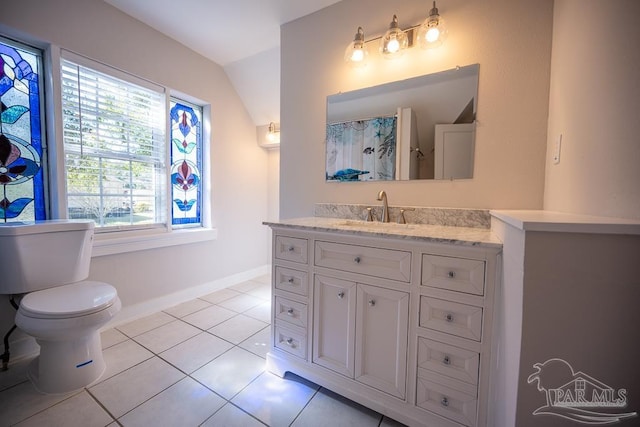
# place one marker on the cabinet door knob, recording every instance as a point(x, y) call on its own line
point(290, 248)
point(290, 280)
point(290, 311)
point(357, 260)
point(451, 274)
point(449, 317)
point(444, 401)
point(290, 341)
point(340, 295)
point(372, 302)
point(446, 360)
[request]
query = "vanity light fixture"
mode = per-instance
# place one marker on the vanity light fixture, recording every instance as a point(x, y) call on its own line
point(394, 41)
point(273, 134)
point(357, 53)
point(433, 31)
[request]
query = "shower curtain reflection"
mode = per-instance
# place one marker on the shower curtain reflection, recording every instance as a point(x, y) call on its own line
point(362, 150)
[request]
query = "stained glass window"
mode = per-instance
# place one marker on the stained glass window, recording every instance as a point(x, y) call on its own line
point(186, 162)
point(21, 140)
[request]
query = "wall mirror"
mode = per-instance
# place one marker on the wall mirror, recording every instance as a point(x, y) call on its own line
point(419, 128)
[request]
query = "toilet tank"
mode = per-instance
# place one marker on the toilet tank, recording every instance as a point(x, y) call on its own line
point(44, 254)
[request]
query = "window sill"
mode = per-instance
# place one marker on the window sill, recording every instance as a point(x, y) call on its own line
point(109, 245)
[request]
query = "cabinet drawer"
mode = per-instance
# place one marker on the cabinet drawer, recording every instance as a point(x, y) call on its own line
point(450, 400)
point(291, 342)
point(448, 360)
point(451, 317)
point(291, 249)
point(385, 263)
point(291, 280)
point(455, 274)
point(290, 312)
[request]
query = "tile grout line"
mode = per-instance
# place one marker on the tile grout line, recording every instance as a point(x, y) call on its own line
point(50, 406)
point(240, 293)
point(95, 399)
point(132, 338)
point(305, 406)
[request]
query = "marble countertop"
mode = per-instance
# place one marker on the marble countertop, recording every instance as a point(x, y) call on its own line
point(465, 236)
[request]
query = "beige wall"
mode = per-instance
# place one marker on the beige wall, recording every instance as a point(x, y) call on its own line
point(595, 103)
point(239, 167)
point(510, 40)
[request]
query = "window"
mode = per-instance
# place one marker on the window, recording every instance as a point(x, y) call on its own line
point(186, 162)
point(22, 154)
point(114, 148)
point(131, 158)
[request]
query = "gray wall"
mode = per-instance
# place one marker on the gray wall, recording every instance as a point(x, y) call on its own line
point(580, 304)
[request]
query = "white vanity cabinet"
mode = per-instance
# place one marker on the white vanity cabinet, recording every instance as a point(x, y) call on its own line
point(399, 324)
point(360, 331)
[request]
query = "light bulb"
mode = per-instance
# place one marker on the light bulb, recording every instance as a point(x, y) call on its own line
point(272, 134)
point(356, 53)
point(432, 34)
point(433, 31)
point(393, 46)
point(394, 41)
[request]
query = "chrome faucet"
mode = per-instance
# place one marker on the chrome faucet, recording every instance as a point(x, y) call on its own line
point(382, 196)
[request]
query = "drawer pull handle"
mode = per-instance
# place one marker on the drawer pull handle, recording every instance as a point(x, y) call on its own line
point(451, 274)
point(446, 360)
point(340, 295)
point(372, 302)
point(290, 248)
point(290, 311)
point(444, 402)
point(289, 342)
point(357, 260)
point(449, 317)
point(290, 280)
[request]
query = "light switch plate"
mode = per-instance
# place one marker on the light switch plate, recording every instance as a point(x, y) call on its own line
point(556, 149)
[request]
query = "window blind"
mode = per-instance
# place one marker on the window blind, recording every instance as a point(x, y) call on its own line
point(114, 145)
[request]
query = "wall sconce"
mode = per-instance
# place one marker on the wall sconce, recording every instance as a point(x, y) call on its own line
point(433, 31)
point(395, 41)
point(268, 136)
point(357, 53)
point(273, 134)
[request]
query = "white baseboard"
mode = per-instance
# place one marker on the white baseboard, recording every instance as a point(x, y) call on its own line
point(26, 347)
point(136, 311)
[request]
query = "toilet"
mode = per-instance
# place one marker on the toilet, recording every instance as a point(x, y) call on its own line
point(46, 263)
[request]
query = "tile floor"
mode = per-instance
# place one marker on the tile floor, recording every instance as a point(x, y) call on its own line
point(200, 363)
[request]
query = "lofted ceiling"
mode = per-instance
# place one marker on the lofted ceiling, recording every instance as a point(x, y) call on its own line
point(243, 36)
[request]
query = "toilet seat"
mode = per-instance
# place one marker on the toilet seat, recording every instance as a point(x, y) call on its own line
point(72, 300)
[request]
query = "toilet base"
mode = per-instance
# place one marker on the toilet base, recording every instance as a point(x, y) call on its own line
point(66, 366)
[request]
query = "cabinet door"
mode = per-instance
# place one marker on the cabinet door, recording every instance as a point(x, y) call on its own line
point(381, 338)
point(334, 313)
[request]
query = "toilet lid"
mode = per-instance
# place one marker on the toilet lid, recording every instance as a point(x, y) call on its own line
point(75, 299)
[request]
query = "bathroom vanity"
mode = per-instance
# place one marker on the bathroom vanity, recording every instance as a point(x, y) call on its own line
point(396, 317)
